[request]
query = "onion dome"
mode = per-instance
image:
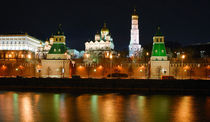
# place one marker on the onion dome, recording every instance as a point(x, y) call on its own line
point(105, 29)
point(97, 36)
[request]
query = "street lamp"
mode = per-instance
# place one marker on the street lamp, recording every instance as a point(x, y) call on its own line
point(183, 57)
point(110, 57)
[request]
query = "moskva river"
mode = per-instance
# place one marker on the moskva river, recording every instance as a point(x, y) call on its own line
point(67, 107)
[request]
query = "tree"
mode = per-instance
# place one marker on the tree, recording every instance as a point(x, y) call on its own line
point(48, 71)
point(159, 71)
point(130, 70)
point(176, 70)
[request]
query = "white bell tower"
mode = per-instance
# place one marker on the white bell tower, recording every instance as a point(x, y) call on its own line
point(134, 47)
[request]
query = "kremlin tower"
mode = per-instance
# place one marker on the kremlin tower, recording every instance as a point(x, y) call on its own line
point(159, 61)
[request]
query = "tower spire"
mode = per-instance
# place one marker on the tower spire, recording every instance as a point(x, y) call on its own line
point(104, 24)
point(158, 33)
point(60, 31)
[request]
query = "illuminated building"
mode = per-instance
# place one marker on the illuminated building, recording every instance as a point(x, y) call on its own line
point(103, 41)
point(159, 61)
point(19, 42)
point(102, 46)
point(57, 61)
point(18, 46)
point(134, 47)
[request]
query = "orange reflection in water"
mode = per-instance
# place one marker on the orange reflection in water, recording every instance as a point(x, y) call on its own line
point(108, 108)
point(207, 107)
point(26, 108)
point(6, 105)
point(184, 111)
point(142, 108)
point(83, 108)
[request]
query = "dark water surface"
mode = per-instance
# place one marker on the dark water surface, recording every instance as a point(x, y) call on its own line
point(67, 107)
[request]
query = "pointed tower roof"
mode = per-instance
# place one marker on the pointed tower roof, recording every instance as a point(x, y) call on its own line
point(158, 33)
point(59, 31)
point(134, 12)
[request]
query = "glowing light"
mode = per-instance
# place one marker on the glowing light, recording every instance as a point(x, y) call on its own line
point(208, 67)
point(3, 67)
point(29, 56)
point(110, 56)
point(21, 67)
point(94, 70)
point(10, 55)
point(183, 56)
point(100, 67)
point(147, 53)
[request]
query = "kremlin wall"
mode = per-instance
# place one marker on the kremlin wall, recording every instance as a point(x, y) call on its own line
point(26, 56)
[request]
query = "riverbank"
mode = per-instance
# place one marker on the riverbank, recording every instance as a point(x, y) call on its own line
point(107, 85)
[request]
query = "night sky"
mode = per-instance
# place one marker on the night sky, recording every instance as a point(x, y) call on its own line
point(184, 21)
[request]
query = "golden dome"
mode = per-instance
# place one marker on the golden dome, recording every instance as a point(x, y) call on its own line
point(105, 29)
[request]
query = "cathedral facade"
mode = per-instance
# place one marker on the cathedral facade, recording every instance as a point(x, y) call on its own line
point(102, 46)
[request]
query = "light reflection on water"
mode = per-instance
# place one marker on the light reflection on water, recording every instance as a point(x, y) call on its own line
point(56, 107)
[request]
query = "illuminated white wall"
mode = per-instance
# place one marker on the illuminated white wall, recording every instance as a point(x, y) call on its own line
point(19, 42)
point(134, 46)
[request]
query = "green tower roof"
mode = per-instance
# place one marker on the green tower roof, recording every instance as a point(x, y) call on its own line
point(158, 49)
point(57, 48)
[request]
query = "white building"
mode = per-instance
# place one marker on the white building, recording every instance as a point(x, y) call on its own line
point(102, 46)
point(19, 42)
point(134, 47)
point(102, 42)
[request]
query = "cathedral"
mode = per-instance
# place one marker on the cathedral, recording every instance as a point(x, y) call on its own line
point(102, 46)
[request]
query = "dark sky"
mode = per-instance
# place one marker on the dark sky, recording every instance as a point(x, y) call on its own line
point(184, 21)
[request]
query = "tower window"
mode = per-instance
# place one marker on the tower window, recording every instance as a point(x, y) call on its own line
point(162, 51)
point(54, 50)
point(60, 39)
point(160, 39)
point(156, 51)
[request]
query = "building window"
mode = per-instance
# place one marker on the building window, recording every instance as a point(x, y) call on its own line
point(60, 39)
point(156, 51)
point(59, 50)
point(162, 51)
point(54, 50)
point(160, 39)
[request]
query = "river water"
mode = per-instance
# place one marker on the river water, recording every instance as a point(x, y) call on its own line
point(67, 107)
